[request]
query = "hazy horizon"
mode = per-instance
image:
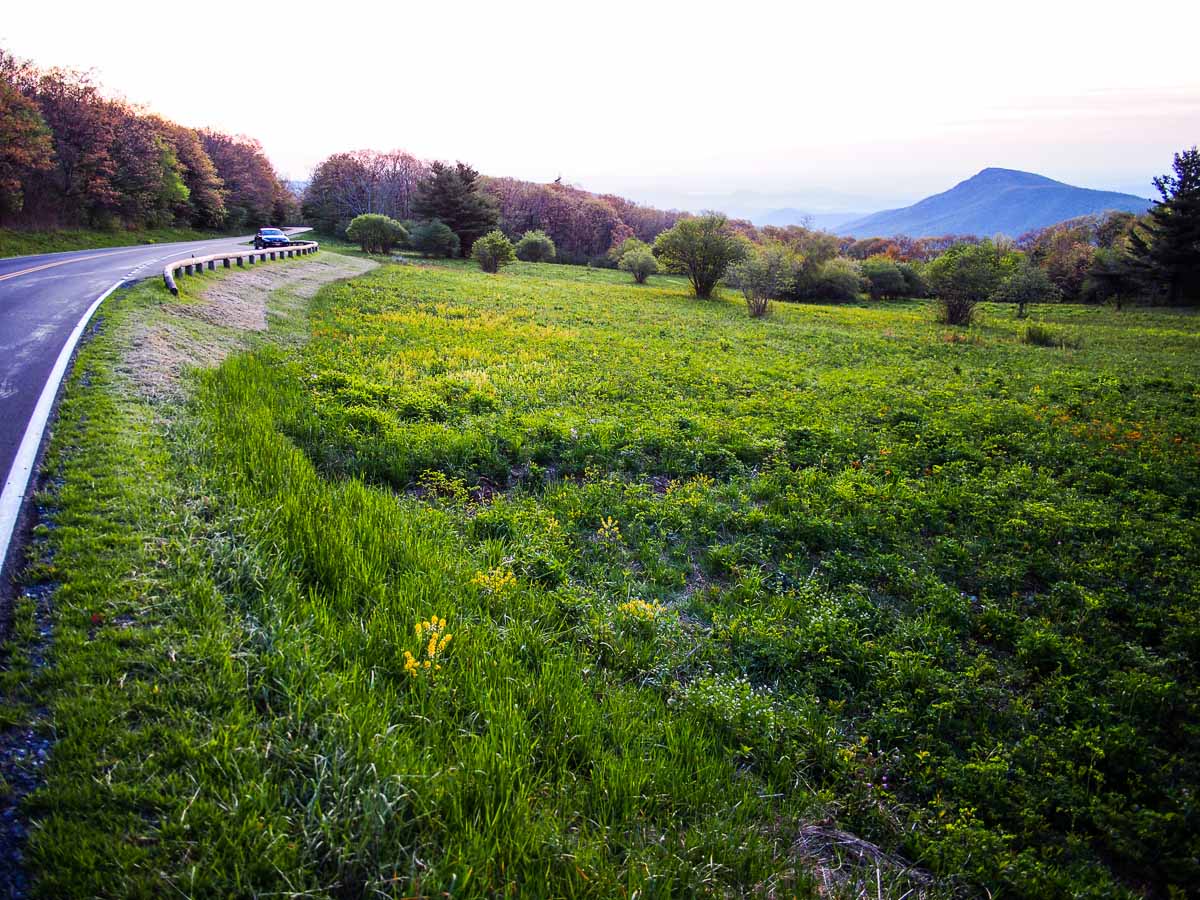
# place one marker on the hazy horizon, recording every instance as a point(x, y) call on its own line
point(813, 109)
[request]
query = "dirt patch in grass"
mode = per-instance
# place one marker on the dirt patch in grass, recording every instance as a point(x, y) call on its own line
point(204, 330)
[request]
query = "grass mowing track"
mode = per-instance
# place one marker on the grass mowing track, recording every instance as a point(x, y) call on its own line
point(710, 582)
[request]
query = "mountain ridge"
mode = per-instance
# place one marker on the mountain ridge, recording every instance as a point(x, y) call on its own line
point(993, 201)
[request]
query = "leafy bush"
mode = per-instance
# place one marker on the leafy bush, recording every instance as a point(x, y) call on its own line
point(914, 281)
point(376, 233)
point(630, 243)
point(492, 251)
point(1028, 284)
point(839, 279)
point(964, 276)
point(434, 238)
point(638, 261)
point(1044, 336)
point(535, 246)
point(765, 275)
point(884, 279)
point(702, 248)
point(1111, 279)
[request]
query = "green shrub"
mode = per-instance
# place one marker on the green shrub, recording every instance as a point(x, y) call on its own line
point(884, 279)
point(434, 238)
point(375, 233)
point(1028, 284)
point(964, 276)
point(840, 280)
point(639, 262)
point(535, 246)
point(1040, 335)
point(630, 243)
point(765, 275)
point(702, 248)
point(492, 251)
point(914, 280)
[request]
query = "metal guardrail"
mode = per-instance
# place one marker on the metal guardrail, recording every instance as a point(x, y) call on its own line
point(194, 265)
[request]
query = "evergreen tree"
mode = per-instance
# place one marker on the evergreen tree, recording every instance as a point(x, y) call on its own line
point(452, 195)
point(1168, 252)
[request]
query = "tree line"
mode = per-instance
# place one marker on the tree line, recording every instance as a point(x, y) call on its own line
point(442, 210)
point(583, 226)
point(71, 156)
point(1115, 258)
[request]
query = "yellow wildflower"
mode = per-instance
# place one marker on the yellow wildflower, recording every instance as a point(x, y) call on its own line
point(609, 530)
point(439, 640)
point(497, 581)
point(641, 611)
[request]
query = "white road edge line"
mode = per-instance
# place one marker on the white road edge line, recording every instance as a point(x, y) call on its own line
point(21, 472)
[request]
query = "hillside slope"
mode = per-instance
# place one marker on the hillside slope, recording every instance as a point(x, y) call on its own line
point(996, 201)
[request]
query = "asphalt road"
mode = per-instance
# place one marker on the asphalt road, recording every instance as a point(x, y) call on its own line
point(42, 299)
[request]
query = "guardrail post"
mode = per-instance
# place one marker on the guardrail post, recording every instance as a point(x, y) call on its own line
point(187, 270)
point(212, 265)
point(241, 265)
point(225, 262)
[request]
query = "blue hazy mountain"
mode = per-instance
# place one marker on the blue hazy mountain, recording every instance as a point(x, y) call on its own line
point(996, 201)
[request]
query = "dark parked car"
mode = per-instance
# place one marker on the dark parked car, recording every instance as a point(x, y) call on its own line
point(270, 237)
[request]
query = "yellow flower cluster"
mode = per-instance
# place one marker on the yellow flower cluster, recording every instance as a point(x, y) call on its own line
point(609, 530)
point(497, 581)
point(433, 649)
point(639, 609)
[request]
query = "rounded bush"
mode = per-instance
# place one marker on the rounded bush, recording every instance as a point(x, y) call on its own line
point(840, 279)
point(376, 233)
point(639, 262)
point(434, 238)
point(492, 251)
point(884, 279)
point(535, 246)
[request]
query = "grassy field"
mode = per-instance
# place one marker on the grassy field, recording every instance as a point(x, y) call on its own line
point(27, 243)
point(549, 584)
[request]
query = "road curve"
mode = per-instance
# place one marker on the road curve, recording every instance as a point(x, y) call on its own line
point(42, 299)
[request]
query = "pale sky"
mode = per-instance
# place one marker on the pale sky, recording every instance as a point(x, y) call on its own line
point(851, 105)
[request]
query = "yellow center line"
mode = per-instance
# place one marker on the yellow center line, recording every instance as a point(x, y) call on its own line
point(63, 262)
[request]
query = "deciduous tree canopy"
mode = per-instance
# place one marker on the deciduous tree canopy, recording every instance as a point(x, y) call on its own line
point(71, 156)
point(701, 248)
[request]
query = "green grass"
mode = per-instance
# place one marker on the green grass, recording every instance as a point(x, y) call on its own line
point(939, 594)
point(1042, 336)
point(28, 243)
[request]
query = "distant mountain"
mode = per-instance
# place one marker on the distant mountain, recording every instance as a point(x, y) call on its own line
point(792, 216)
point(996, 201)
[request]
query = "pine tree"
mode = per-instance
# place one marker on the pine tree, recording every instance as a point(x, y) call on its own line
point(1168, 252)
point(452, 194)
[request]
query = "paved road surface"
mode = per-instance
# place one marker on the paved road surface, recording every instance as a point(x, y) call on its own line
point(41, 300)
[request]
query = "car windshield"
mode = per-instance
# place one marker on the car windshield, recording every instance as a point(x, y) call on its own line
point(270, 231)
